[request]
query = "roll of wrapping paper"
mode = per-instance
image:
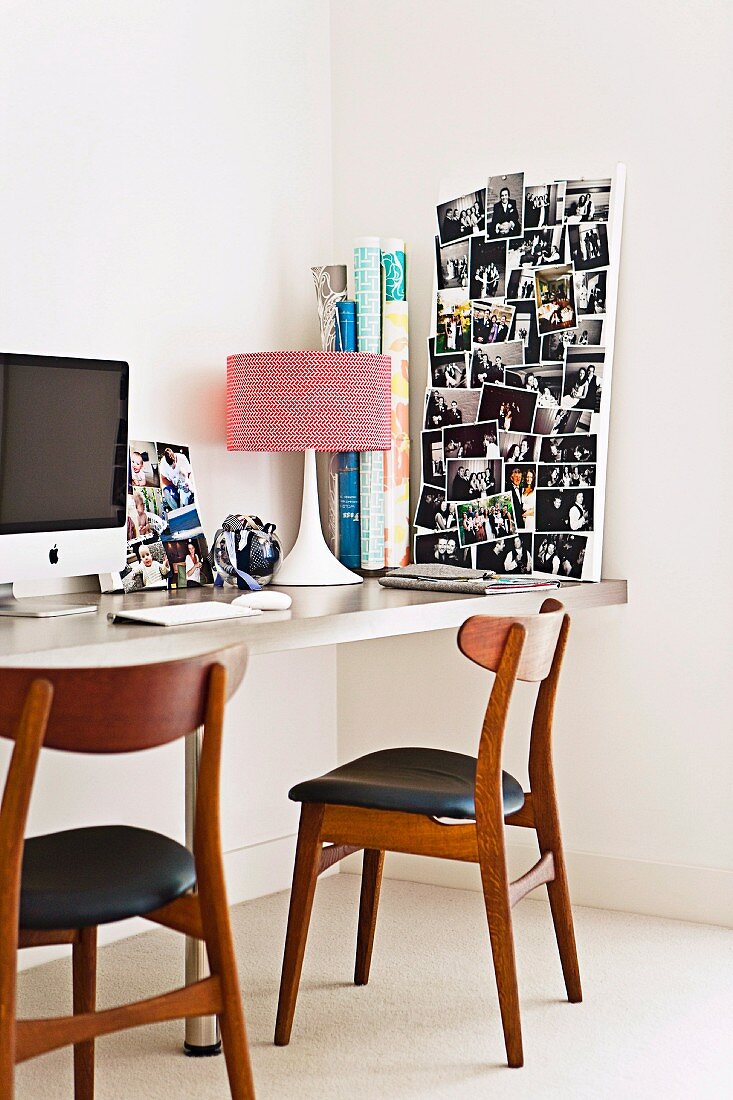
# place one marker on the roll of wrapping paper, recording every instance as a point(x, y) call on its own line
point(368, 293)
point(330, 283)
point(347, 464)
point(397, 460)
point(393, 262)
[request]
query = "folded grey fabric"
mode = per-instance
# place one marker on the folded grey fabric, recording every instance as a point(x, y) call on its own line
point(438, 578)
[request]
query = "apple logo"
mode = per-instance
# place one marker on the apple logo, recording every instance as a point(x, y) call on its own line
point(53, 555)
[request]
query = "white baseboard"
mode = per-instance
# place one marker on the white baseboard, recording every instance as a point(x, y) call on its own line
point(251, 872)
point(700, 894)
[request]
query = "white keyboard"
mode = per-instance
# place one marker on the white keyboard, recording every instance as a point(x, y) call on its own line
point(184, 614)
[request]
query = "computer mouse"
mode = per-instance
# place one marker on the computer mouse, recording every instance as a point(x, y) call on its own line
point(265, 600)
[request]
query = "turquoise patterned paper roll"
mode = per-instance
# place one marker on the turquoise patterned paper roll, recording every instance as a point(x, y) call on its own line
point(368, 294)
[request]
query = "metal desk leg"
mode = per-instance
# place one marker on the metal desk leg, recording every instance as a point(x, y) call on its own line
point(202, 1032)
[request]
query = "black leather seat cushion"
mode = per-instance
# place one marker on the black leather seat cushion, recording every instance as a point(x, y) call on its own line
point(83, 877)
point(413, 780)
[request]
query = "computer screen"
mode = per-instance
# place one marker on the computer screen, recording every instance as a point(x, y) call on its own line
point(63, 435)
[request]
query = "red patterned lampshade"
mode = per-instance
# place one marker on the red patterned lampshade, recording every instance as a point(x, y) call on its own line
point(296, 400)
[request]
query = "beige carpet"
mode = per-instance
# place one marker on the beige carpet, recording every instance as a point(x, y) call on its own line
point(656, 1021)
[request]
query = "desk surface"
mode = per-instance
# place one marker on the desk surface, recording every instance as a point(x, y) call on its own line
point(318, 616)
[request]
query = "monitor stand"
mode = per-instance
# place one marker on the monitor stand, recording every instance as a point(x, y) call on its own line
point(37, 607)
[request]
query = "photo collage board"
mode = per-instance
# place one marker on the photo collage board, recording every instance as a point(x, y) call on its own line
point(515, 426)
point(165, 539)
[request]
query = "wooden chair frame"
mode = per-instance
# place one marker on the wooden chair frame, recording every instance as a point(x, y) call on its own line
point(527, 649)
point(203, 914)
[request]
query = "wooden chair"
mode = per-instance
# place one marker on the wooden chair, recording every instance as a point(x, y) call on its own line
point(393, 800)
point(58, 888)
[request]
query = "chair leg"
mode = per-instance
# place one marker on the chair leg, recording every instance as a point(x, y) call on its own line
point(84, 968)
point(371, 881)
point(305, 875)
point(548, 835)
point(223, 963)
point(495, 883)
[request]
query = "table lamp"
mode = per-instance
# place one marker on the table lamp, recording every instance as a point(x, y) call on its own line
point(309, 401)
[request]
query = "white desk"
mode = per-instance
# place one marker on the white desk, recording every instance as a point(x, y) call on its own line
point(319, 616)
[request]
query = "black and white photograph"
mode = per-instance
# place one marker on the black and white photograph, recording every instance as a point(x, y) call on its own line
point(504, 205)
point(462, 217)
point(489, 364)
point(491, 322)
point(470, 478)
point(512, 409)
point(433, 511)
point(555, 298)
point(487, 268)
point(447, 407)
point(561, 421)
point(520, 284)
point(520, 481)
point(471, 441)
point(448, 371)
point(569, 448)
point(590, 292)
point(537, 248)
point(433, 459)
point(486, 519)
point(583, 378)
point(587, 334)
point(564, 510)
point(587, 200)
point(511, 555)
point(545, 380)
point(451, 262)
point(519, 447)
point(588, 245)
point(441, 548)
point(524, 328)
point(560, 555)
point(544, 204)
point(453, 321)
point(561, 475)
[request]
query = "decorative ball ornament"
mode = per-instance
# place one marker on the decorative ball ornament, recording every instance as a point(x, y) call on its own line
point(246, 552)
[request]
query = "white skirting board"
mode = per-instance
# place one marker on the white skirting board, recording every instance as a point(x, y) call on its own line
point(703, 895)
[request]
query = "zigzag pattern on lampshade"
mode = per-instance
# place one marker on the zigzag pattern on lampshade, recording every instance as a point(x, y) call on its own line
point(293, 400)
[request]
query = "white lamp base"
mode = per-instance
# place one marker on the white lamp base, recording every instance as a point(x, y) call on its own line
point(310, 563)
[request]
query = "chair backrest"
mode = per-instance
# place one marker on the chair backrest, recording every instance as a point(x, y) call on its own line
point(526, 648)
point(483, 639)
point(120, 708)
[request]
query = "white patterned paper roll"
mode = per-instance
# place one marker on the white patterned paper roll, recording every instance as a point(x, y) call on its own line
point(330, 283)
point(397, 460)
point(368, 294)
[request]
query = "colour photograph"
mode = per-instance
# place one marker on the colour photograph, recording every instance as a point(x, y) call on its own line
point(555, 299)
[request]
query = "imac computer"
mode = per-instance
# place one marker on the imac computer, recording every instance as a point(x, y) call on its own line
point(63, 473)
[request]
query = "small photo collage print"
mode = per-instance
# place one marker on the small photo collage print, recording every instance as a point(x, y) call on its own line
point(166, 544)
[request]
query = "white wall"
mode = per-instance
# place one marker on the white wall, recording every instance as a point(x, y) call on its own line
point(165, 187)
point(426, 91)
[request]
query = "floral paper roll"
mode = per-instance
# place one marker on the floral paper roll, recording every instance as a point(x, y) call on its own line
point(393, 264)
point(397, 460)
